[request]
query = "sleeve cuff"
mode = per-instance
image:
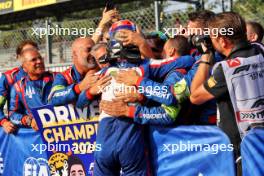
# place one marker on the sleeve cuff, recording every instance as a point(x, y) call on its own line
point(139, 81)
point(24, 120)
point(89, 95)
point(131, 111)
point(76, 89)
point(3, 121)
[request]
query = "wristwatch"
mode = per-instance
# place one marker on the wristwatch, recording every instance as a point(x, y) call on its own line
point(204, 62)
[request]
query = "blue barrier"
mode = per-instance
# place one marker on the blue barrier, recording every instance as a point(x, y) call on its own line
point(212, 155)
point(17, 154)
point(252, 152)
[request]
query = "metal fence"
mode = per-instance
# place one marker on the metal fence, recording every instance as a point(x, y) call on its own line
point(62, 39)
point(61, 42)
point(145, 18)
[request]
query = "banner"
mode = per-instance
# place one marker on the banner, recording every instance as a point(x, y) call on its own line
point(28, 4)
point(252, 152)
point(191, 150)
point(58, 1)
point(17, 155)
point(69, 138)
point(6, 6)
point(65, 144)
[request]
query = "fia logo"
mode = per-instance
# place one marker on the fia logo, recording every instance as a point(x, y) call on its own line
point(1, 164)
point(36, 167)
point(91, 168)
point(30, 91)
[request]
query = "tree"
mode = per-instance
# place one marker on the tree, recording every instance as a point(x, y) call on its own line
point(250, 9)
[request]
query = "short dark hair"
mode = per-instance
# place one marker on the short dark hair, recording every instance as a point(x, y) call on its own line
point(157, 40)
point(230, 20)
point(181, 44)
point(20, 47)
point(201, 17)
point(74, 160)
point(258, 29)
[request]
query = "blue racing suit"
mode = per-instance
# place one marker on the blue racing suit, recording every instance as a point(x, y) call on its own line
point(27, 94)
point(205, 113)
point(122, 140)
point(7, 80)
point(167, 111)
point(64, 88)
point(167, 108)
point(151, 69)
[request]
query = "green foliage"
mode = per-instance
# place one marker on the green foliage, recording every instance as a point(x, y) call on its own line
point(250, 9)
point(12, 34)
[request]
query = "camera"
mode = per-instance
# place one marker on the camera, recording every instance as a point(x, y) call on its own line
point(196, 41)
point(117, 51)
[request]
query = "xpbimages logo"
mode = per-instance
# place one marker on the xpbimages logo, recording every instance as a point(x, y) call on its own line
point(60, 31)
point(159, 91)
point(76, 148)
point(191, 147)
point(214, 32)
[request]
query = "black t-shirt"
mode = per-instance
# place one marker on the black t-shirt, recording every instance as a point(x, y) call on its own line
point(217, 86)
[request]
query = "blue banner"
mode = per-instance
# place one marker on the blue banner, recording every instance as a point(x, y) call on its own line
point(252, 152)
point(69, 138)
point(17, 154)
point(183, 150)
point(191, 150)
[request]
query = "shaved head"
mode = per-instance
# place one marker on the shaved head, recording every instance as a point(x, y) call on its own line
point(81, 56)
point(181, 44)
point(81, 42)
point(177, 46)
